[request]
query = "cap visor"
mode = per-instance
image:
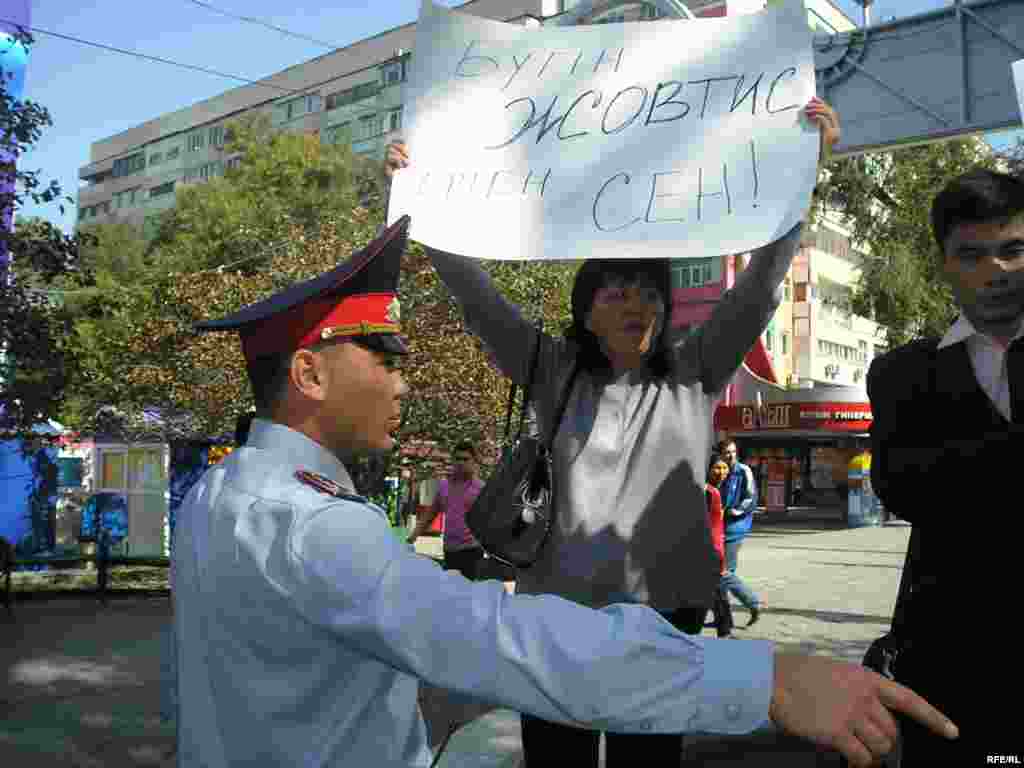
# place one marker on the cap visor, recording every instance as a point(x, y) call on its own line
point(390, 343)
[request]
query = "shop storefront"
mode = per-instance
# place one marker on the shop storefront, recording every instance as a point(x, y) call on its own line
point(799, 449)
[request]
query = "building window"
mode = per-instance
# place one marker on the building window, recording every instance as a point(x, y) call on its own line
point(768, 339)
point(196, 141)
point(692, 273)
point(126, 166)
point(395, 120)
point(217, 136)
point(354, 94)
point(785, 343)
point(125, 199)
point(369, 126)
point(172, 153)
point(164, 189)
point(393, 73)
point(208, 171)
point(156, 158)
point(233, 162)
point(301, 106)
point(787, 292)
point(139, 476)
point(338, 134)
point(364, 147)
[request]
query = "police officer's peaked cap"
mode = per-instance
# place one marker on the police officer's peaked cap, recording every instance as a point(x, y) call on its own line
point(355, 301)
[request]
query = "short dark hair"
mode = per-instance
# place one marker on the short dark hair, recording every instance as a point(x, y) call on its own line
point(590, 278)
point(973, 197)
point(268, 376)
point(724, 444)
point(465, 446)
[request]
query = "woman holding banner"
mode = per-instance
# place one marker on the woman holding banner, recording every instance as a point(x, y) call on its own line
point(632, 448)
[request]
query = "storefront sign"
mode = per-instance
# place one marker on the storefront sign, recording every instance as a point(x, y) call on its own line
point(830, 417)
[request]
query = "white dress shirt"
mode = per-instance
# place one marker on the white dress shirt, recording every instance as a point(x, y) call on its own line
point(988, 359)
point(304, 624)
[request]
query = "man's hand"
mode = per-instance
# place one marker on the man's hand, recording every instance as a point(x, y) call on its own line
point(820, 112)
point(396, 158)
point(846, 707)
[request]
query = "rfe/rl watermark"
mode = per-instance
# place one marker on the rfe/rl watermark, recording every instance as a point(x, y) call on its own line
point(1003, 759)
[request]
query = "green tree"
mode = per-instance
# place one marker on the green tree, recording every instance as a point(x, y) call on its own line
point(885, 200)
point(286, 180)
point(34, 328)
point(291, 209)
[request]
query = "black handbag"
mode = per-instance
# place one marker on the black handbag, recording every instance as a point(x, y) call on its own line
point(512, 516)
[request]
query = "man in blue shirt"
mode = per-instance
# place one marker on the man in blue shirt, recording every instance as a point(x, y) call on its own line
point(739, 498)
point(304, 625)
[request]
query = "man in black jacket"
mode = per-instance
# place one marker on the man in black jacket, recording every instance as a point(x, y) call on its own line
point(947, 439)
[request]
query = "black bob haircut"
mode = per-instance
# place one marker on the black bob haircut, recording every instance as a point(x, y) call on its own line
point(591, 277)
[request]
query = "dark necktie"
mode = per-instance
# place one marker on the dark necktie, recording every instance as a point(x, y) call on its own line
point(1015, 374)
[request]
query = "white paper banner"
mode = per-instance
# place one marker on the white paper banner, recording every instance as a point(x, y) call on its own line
point(641, 139)
point(1018, 80)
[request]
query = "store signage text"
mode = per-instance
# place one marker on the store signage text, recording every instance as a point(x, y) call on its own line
point(777, 416)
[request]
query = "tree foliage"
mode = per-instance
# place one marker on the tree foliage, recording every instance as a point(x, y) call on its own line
point(292, 209)
point(885, 200)
point(35, 361)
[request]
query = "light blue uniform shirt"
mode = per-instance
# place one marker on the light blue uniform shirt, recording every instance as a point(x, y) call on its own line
point(303, 625)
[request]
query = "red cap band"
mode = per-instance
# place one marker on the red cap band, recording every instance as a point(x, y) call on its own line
point(320, 320)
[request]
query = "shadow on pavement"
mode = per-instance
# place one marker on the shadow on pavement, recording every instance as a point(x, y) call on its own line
point(80, 684)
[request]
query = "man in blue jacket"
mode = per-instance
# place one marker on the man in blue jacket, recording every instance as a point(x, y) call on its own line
point(739, 497)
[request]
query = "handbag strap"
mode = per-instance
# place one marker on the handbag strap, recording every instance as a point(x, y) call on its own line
point(563, 402)
point(508, 411)
point(527, 390)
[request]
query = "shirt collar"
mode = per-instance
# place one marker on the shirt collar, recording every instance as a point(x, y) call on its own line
point(963, 329)
point(300, 450)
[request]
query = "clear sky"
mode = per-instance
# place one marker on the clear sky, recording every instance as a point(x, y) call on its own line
point(93, 94)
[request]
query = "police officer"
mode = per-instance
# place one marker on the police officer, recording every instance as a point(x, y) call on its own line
point(304, 624)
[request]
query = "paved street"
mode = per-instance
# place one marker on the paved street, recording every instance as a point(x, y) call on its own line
point(81, 682)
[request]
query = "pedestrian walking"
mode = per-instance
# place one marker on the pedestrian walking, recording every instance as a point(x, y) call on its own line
point(718, 470)
point(739, 499)
point(455, 495)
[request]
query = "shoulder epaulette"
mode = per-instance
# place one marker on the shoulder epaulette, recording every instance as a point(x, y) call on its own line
point(326, 485)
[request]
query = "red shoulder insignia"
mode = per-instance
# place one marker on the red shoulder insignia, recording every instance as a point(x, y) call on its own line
point(321, 483)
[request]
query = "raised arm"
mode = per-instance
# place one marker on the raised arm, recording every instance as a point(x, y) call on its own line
point(500, 324)
point(744, 311)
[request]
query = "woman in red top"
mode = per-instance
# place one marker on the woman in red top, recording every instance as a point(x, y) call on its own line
point(718, 470)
